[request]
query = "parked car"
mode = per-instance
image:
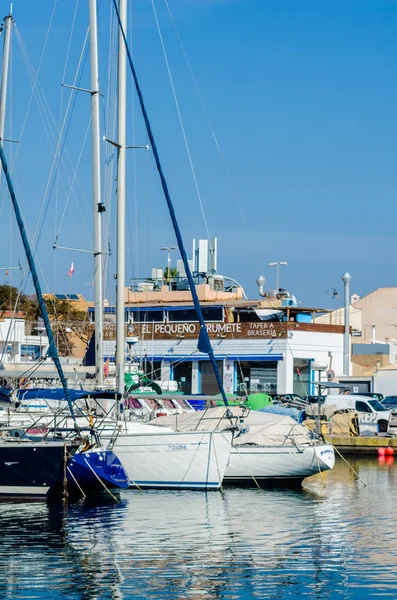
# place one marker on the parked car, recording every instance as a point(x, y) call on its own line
point(314, 399)
point(285, 397)
point(390, 402)
point(373, 416)
point(369, 395)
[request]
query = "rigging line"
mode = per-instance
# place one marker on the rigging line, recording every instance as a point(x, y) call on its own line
point(204, 343)
point(60, 124)
point(74, 178)
point(43, 103)
point(134, 249)
point(36, 78)
point(110, 153)
point(59, 149)
point(70, 40)
point(228, 174)
point(182, 126)
point(56, 180)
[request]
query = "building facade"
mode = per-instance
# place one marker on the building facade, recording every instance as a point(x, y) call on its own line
point(256, 350)
point(373, 327)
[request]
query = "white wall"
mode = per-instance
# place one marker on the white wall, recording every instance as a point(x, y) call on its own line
point(325, 347)
point(385, 382)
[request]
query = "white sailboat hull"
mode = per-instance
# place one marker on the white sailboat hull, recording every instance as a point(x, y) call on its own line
point(172, 460)
point(266, 464)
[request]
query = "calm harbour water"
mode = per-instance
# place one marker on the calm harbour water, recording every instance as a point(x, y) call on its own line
point(337, 541)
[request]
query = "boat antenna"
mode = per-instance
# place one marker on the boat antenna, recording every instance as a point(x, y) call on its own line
point(52, 349)
point(204, 344)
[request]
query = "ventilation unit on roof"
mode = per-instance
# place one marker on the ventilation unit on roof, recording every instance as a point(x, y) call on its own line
point(205, 256)
point(217, 283)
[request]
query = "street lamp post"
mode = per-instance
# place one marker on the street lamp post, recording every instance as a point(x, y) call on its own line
point(277, 265)
point(40, 330)
point(168, 249)
point(346, 278)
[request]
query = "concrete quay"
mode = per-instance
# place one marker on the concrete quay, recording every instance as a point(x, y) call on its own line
point(360, 445)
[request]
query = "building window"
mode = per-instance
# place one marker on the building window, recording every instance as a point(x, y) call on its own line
point(152, 368)
point(30, 350)
point(210, 314)
point(208, 382)
point(256, 376)
point(182, 374)
point(301, 377)
point(147, 316)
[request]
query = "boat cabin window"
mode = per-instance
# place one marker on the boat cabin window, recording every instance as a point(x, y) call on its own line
point(362, 406)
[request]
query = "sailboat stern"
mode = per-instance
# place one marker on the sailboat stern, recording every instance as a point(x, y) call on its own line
point(96, 471)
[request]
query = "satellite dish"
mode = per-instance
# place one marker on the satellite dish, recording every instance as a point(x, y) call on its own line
point(330, 374)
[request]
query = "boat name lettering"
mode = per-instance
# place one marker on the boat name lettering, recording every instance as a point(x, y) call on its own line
point(177, 447)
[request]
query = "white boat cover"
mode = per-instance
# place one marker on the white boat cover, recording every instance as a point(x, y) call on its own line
point(262, 429)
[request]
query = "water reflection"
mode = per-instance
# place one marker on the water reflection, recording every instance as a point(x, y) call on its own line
point(320, 542)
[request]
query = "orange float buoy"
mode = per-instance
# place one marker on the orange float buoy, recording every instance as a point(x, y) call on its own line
point(381, 451)
point(389, 451)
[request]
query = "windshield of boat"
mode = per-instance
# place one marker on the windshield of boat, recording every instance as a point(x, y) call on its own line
point(376, 405)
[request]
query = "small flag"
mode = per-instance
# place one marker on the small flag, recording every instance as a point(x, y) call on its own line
point(71, 270)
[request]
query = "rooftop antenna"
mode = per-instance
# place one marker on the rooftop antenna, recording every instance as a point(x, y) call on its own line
point(334, 293)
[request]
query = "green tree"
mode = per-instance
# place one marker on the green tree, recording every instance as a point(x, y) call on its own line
point(65, 319)
point(171, 275)
point(11, 298)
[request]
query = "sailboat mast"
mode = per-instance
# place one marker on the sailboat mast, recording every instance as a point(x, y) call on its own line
point(52, 349)
point(4, 73)
point(121, 194)
point(98, 207)
point(204, 344)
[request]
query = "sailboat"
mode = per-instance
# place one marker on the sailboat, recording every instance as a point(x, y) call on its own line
point(153, 457)
point(157, 458)
point(32, 464)
point(28, 468)
point(267, 449)
point(253, 456)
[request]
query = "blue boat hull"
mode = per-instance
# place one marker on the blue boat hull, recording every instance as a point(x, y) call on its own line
point(92, 471)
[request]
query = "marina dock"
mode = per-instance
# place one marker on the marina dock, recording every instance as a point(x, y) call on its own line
point(360, 444)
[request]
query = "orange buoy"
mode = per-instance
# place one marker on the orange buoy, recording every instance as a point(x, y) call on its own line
point(381, 451)
point(389, 451)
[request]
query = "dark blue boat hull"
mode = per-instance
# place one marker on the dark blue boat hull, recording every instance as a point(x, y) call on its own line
point(31, 469)
point(93, 470)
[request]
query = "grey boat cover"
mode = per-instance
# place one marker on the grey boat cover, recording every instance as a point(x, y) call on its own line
point(258, 428)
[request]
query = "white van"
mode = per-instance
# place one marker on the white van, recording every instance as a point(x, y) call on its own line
point(373, 417)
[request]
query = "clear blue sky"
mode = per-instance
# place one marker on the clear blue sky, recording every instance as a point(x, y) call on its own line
point(303, 100)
